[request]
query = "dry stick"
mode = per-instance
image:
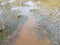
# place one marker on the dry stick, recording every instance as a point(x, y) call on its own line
point(1, 31)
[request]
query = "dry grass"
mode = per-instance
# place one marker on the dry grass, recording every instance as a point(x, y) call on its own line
point(51, 3)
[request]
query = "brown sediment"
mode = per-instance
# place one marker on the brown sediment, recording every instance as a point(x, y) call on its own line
point(28, 37)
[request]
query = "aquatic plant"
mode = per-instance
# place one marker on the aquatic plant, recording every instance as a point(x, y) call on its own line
point(48, 24)
point(8, 22)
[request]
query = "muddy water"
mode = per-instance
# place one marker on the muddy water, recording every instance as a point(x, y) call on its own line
point(27, 35)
